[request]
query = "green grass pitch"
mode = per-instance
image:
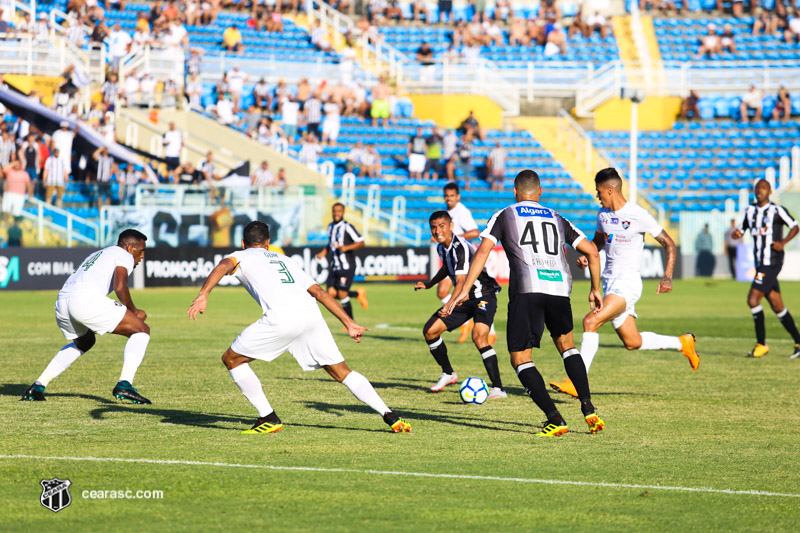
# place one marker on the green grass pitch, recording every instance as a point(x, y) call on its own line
point(732, 425)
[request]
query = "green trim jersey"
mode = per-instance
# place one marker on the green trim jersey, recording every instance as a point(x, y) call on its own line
point(534, 239)
point(277, 283)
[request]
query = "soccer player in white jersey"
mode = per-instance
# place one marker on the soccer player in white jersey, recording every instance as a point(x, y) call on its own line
point(84, 310)
point(621, 226)
point(765, 221)
point(534, 238)
point(456, 253)
point(464, 226)
point(291, 322)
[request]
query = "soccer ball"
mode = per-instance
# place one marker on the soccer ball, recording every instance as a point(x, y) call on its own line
point(473, 390)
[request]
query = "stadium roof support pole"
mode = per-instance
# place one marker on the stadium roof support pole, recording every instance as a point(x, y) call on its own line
point(796, 164)
point(633, 170)
point(784, 175)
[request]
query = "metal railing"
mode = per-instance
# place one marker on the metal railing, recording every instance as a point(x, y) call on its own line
point(376, 223)
point(161, 62)
point(574, 139)
point(73, 228)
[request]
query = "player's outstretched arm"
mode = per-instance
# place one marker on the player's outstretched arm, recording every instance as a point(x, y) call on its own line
point(322, 253)
point(439, 276)
point(599, 241)
point(124, 294)
point(354, 330)
point(665, 285)
point(475, 269)
point(592, 257)
point(225, 267)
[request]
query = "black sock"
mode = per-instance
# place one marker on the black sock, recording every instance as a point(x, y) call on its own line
point(490, 363)
point(347, 307)
point(352, 294)
point(272, 418)
point(439, 351)
point(788, 323)
point(576, 371)
point(532, 380)
point(761, 332)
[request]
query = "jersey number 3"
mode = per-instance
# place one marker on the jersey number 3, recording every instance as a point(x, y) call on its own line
point(549, 237)
point(284, 271)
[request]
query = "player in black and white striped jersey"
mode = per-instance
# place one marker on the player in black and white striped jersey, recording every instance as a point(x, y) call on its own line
point(262, 177)
point(765, 221)
point(534, 238)
point(106, 168)
point(456, 254)
point(343, 241)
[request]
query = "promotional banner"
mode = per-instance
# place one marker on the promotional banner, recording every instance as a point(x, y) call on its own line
point(25, 269)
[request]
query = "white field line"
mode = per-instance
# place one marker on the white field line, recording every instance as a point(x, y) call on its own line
point(408, 474)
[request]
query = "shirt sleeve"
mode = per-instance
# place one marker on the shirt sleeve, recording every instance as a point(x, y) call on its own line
point(354, 234)
point(125, 260)
point(744, 225)
point(236, 269)
point(786, 217)
point(572, 235)
point(649, 224)
point(462, 260)
point(494, 229)
point(301, 277)
point(467, 221)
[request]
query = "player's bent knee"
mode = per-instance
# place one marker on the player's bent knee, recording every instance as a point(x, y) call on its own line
point(86, 342)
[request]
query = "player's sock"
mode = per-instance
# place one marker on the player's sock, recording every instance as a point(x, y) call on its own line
point(532, 380)
point(788, 322)
point(364, 391)
point(589, 346)
point(439, 351)
point(490, 363)
point(654, 341)
point(346, 306)
point(133, 355)
point(65, 357)
point(576, 370)
point(758, 317)
point(446, 299)
point(248, 383)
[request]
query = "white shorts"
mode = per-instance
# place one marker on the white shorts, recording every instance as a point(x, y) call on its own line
point(331, 129)
point(78, 313)
point(416, 162)
point(309, 341)
point(629, 288)
point(13, 203)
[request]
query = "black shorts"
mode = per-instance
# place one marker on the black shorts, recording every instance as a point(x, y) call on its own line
point(104, 189)
point(445, 6)
point(313, 128)
point(766, 279)
point(433, 165)
point(481, 310)
point(529, 313)
point(173, 162)
point(341, 279)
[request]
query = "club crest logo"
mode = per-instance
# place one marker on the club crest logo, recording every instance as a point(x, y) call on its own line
point(626, 224)
point(55, 494)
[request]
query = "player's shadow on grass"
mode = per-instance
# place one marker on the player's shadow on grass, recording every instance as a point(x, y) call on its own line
point(17, 389)
point(415, 414)
point(176, 416)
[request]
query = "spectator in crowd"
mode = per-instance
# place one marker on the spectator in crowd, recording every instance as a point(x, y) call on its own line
point(224, 110)
point(147, 89)
point(731, 246)
point(75, 32)
point(518, 33)
point(5, 28)
point(290, 111)
point(420, 10)
point(461, 160)
point(503, 10)
point(704, 247)
point(726, 41)
point(269, 134)
point(62, 101)
point(449, 144)
point(119, 45)
point(131, 88)
point(173, 144)
point(193, 62)
point(250, 120)
point(262, 94)
point(55, 177)
point(425, 57)
point(262, 176)
point(355, 157)
point(208, 174)
point(381, 110)
point(193, 91)
point(493, 34)
point(710, 44)
point(320, 37)
point(111, 90)
point(736, 7)
point(312, 114)
point(15, 233)
point(41, 30)
point(556, 41)
point(752, 99)
point(371, 162)
point(331, 123)
point(496, 167)
point(445, 11)
point(281, 178)
point(309, 152)
point(185, 174)
point(16, 185)
point(106, 169)
point(236, 80)
point(690, 104)
point(7, 148)
point(765, 22)
point(549, 10)
point(471, 126)
point(417, 158)
point(596, 23)
point(792, 32)
point(232, 39)
point(62, 139)
point(434, 154)
point(170, 92)
point(661, 5)
point(783, 105)
point(30, 155)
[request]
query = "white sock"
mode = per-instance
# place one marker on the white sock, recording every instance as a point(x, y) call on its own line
point(363, 390)
point(491, 330)
point(589, 345)
point(133, 355)
point(65, 357)
point(345, 300)
point(248, 383)
point(654, 341)
point(446, 299)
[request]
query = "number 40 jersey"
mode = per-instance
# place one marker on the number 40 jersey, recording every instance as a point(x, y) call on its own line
point(534, 238)
point(276, 282)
